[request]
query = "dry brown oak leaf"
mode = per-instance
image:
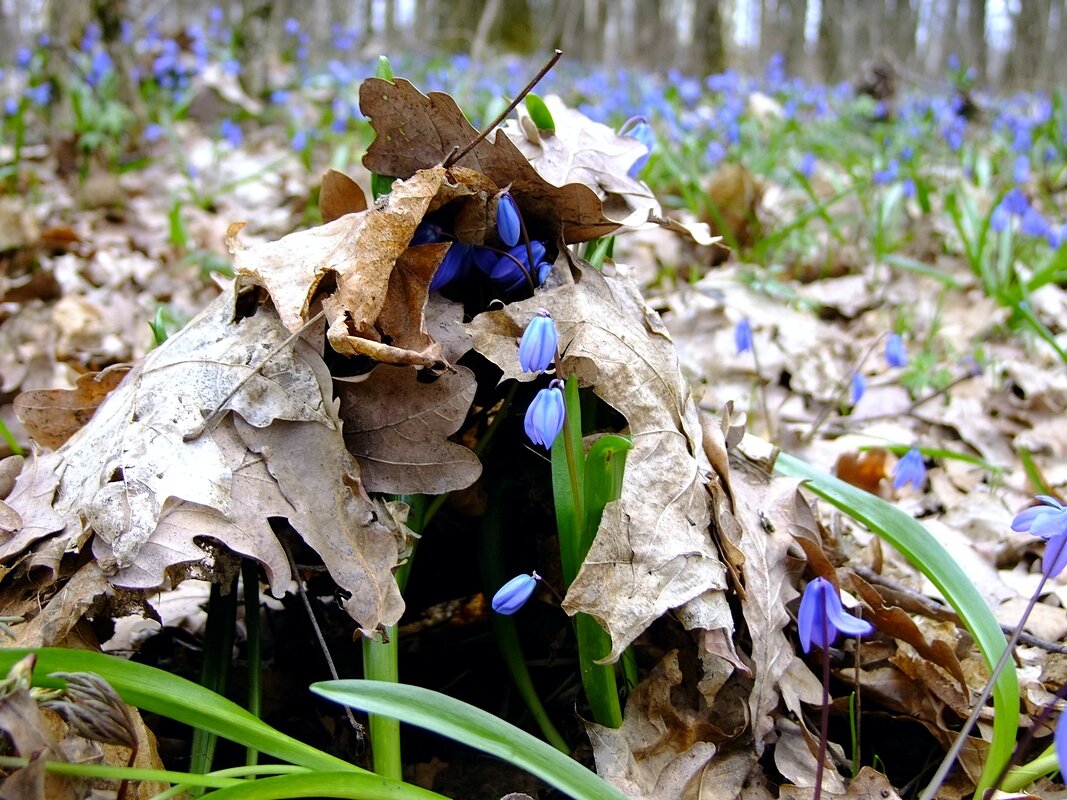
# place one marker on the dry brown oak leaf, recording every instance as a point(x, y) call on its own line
point(378, 306)
point(652, 552)
point(417, 131)
point(147, 492)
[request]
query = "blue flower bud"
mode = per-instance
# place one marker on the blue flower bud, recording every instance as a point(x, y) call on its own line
point(513, 595)
point(544, 417)
point(821, 617)
point(507, 220)
point(895, 354)
point(743, 336)
point(537, 348)
point(910, 469)
point(638, 128)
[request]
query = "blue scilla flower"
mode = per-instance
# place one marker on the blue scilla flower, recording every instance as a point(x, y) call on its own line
point(638, 128)
point(513, 595)
point(806, 165)
point(910, 469)
point(895, 353)
point(506, 270)
point(1046, 520)
point(1021, 170)
point(1055, 558)
point(743, 336)
point(231, 132)
point(537, 348)
point(508, 226)
point(859, 386)
point(1034, 224)
point(1000, 219)
point(456, 264)
point(544, 417)
point(822, 617)
point(1016, 202)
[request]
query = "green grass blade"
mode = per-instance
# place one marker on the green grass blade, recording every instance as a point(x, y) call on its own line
point(926, 554)
point(325, 784)
point(473, 727)
point(159, 692)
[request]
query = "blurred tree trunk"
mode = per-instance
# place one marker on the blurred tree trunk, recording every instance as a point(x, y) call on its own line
point(514, 27)
point(707, 53)
point(1028, 43)
point(904, 16)
point(976, 49)
point(782, 31)
point(830, 44)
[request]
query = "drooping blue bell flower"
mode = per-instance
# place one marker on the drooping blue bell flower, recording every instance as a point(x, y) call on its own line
point(1060, 740)
point(910, 469)
point(507, 220)
point(1055, 558)
point(537, 348)
point(1046, 520)
point(743, 336)
point(638, 128)
point(456, 264)
point(822, 617)
point(513, 595)
point(544, 417)
point(895, 353)
point(859, 386)
point(506, 271)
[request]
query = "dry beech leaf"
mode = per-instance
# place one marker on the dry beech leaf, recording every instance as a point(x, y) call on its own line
point(119, 471)
point(31, 504)
point(894, 622)
point(867, 785)
point(659, 747)
point(765, 511)
point(51, 416)
point(417, 131)
point(652, 552)
point(340, 195)
point(359, 541)
point(864, 470)
point(397, 427)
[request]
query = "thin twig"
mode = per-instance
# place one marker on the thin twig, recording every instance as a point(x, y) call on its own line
point(453, 158)
point(356, 726)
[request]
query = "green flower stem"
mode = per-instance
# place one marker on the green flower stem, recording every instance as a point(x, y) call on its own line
point(381, 662)
point(504, 628)
point(381, 659)
point(576, 531)
point(924, 552)
point(254, 641)
point(12, 442)
point(214, 676)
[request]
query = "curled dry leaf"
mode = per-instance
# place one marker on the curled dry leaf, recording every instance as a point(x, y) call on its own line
point(652, 552)
point(377, 307)
point(397, 427)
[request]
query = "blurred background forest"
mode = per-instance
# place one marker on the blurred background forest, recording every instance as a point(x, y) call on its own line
point(1010, 44)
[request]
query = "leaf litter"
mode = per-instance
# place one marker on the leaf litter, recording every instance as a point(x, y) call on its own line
point(702, 534)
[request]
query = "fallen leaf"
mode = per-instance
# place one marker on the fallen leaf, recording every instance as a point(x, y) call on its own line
point(51, 416)
point(652, 552)
point(659, 747)
point(864, 470)
point(340, 195)
point(416, 132)
point(397, 427)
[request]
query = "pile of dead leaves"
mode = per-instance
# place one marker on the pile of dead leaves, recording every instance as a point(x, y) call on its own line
point(327, 377)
